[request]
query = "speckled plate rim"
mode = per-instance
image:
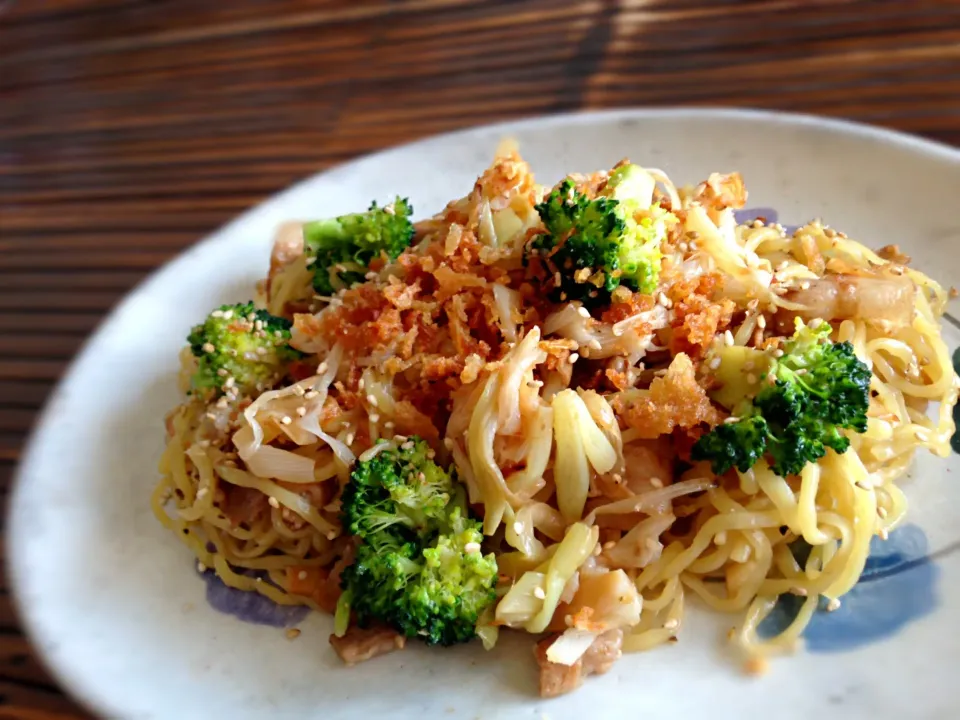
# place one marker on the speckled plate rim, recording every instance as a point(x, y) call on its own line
point(97, 699)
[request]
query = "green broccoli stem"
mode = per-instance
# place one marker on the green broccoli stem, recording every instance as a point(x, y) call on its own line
point(341, 618)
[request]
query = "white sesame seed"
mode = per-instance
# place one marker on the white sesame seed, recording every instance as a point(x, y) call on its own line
point(286, 420)
point(805, 285)
point(761, 322)
point(302, 575)
point(372, 400)
point(883, 533)
point(594, 345)
point(348, 440)
point(273, 502)
point(730, 420)
point(656, 482)
point(201, 567)
point(217, 314)
point(222, 372)
point(472, 547)
point(539, 593)
point(584, 313)
point(301, 411)
point(229, 382)
point(448, 443)
point(834, 604)
point(815, 323)
point(714, 363)
point(720, 538)
point(574, 357)
point(683, 247)
point(728, 338)
point(310, 394)
point(778, 353)
point(208, 347)
point(373, 417)
point(227, 314)
point(389, 424)
point(360, 383)
point(322, 368)
point(518, 527)
point(671, 624)
point(407, 445)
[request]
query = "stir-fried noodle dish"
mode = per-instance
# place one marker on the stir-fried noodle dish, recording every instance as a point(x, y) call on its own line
point(563, 411)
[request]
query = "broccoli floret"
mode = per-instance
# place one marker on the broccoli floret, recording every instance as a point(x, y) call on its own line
point(601, 243)
point(738, 444)
point(401, 487)
point(418, 567)
point(342, 248)
point(240, 349)
point(455, 583)
point(819, 389)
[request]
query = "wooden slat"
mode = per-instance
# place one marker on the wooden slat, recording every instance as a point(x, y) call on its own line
point(70, 280)
point(31, 369)
point(26, 701)
point(23, 394)
point(17, 661)
point(15, 419)
point(65, 321)
point(10, 447)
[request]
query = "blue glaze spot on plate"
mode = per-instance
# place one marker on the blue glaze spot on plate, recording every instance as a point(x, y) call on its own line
point(749, 214)
point(250, 607)
point(898, 586)
point(768, 214)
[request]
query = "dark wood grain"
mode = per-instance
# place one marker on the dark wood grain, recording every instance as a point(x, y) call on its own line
point(131, 128)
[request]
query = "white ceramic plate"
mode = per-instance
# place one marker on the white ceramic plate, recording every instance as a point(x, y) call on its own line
point(117, 609)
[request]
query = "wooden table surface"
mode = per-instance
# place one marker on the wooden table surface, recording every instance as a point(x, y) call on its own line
point(131, 128)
